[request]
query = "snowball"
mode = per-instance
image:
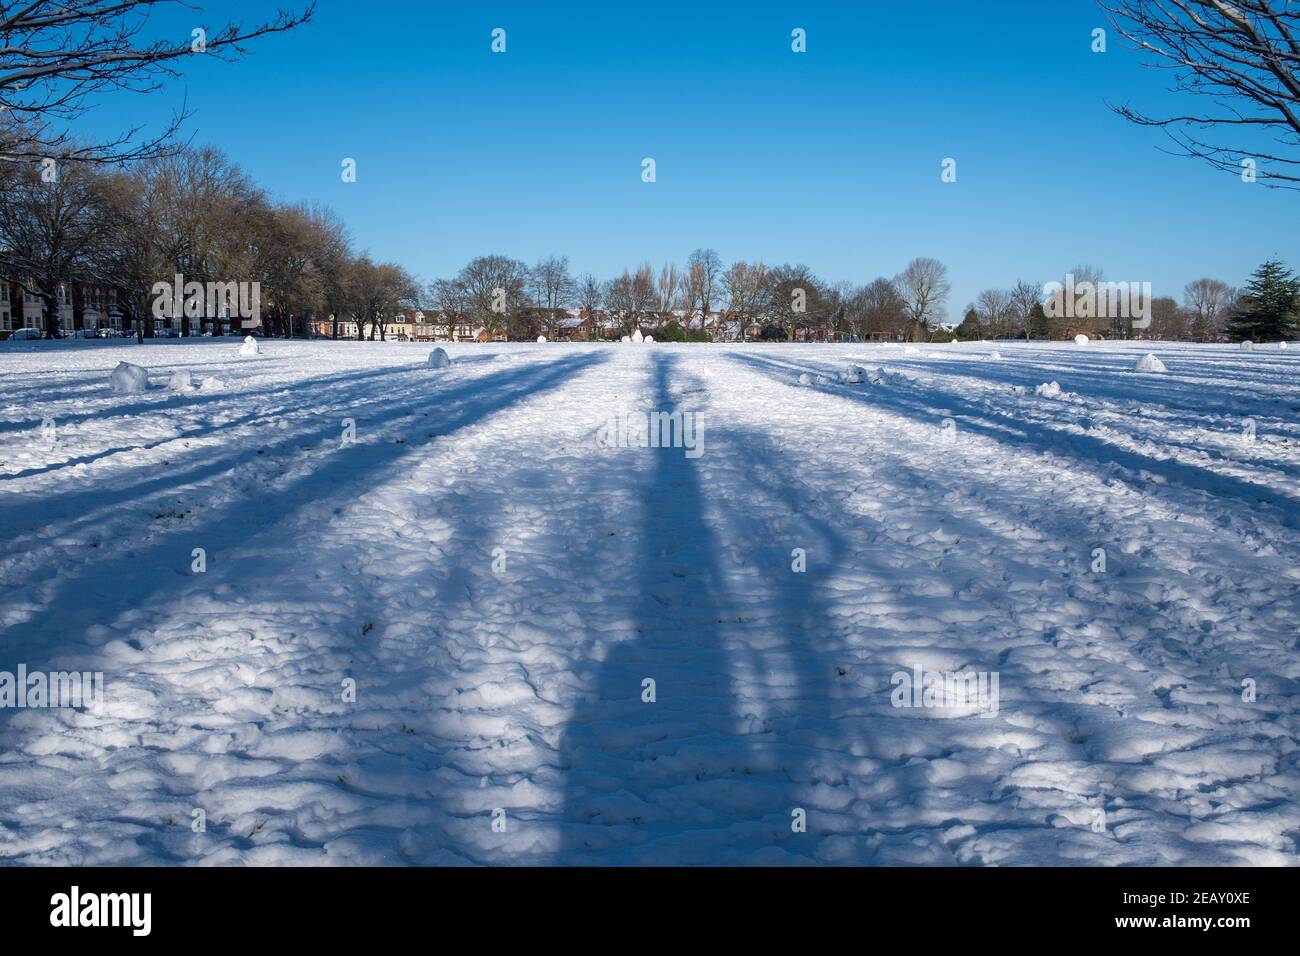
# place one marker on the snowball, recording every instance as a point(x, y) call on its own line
point(626, 338)
point(541, 339)
point(805, 378)
point(876, 377)
point(995, 355)
point(1281, 345)
point(1081, 339)
point(823, 380)
point(438, 359)
point(1247, 345)
point(249, 347)
point(1149, 363)
point(128, 379)
point(649, 338)
point(1048, 390)
point(851, 375)
point(181, 380)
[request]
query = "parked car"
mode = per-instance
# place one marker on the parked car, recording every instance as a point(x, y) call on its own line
point(25, 335)
point(107, 333)
point(83, 334)
point(163, 332)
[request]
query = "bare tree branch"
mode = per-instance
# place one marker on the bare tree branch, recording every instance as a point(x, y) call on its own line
point(1232, 52)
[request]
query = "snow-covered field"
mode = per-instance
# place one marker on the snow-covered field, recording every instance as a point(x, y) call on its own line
point(499, 587)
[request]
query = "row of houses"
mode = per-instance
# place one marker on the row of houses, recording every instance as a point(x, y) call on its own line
point(81, 306)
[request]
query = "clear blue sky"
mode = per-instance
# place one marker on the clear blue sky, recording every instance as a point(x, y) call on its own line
point(830, 158)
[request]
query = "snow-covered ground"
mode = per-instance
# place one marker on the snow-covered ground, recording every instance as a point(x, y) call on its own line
point(500, 587)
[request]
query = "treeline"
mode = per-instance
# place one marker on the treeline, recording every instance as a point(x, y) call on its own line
point(1268, 307)
point(195, 213)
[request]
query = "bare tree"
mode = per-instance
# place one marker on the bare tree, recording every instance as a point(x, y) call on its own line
point(924, 286)
point(884, 311)
point(670, 286)
point(996, 311)
point(1025, 298)
point(703, 280)
point(590, 294)
point(1208, 304)
point(57, 55)
point(452, 299)
point(495, 288)
point(1243, 57)
point(746, 287)
point(51, 232)
point(795, 300)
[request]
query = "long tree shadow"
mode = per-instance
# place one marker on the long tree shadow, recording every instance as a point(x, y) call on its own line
point(87, 505)
point(1175, 641)
point(703, 762)
point(62, 629)
point(1092, 452)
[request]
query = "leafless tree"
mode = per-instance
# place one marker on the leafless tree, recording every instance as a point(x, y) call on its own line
point(924, 286)
point(495, 288)
point(745, 284)
point(796, 299)
point(1025, 298)
point(670, 286)
point(452, 299)
point(52, 233)
point(996, 311)
point(1243, 57)
point(553, 286)
point(884, 311)
point(590, 294)
point(703, 280)
point(57, 55)
point(1209, 304)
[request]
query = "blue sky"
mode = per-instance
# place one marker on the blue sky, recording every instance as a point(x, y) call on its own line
point(830, 158)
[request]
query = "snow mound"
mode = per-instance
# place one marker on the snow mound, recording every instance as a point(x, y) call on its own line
point(1049, 390)
point(995, 356)
point(128, 379)
point(805, 378)
point(438, 359)
point(649, 338)
point(1081, 339)
point(876, 377)
point(1281, 345)
point(637, 336)
point(1247, 345)
point(626, 338)
point(181, 380)
point(211, 385)
point(852, 375)
point(250, 347)
point(1149, 363)
point(541, 340)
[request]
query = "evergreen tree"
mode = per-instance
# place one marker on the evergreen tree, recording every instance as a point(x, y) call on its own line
point(1268, 306)
point(970, 328)
point(1038, 326)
